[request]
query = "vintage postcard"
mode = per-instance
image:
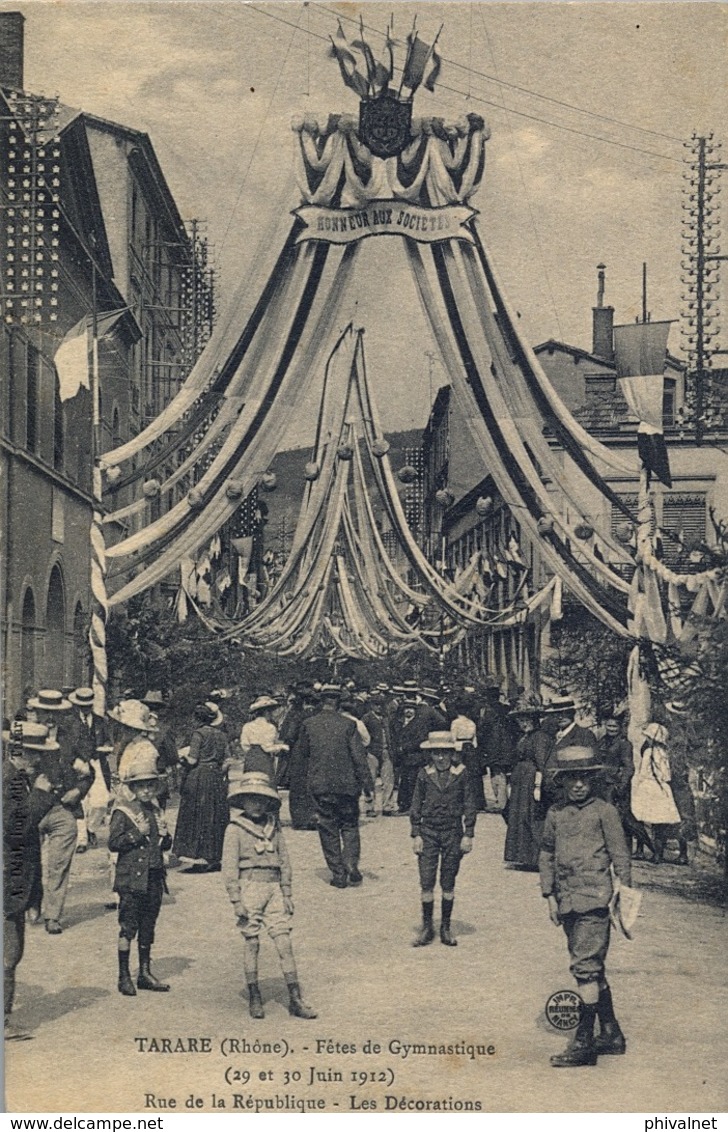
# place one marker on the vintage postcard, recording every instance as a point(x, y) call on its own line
point(364, 489)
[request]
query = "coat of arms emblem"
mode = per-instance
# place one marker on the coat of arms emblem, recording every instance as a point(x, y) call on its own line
point(385, 123)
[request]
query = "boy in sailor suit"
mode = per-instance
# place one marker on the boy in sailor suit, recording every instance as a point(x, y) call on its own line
point(257, 874)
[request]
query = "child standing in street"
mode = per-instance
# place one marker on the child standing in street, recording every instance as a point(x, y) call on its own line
point(582, 840)
point(139, 835)
point(257, 874)
point(442, 817)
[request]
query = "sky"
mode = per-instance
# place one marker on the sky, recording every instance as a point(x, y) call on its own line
point(588, 106)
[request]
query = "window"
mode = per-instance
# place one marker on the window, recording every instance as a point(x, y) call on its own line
point(668, 402)
point(59, 431)
point(32, 418)
point(684, 514)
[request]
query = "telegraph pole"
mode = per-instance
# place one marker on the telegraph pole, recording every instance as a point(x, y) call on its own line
point(701, 270)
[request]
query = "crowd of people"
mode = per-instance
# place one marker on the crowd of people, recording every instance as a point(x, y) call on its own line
point(578, 804)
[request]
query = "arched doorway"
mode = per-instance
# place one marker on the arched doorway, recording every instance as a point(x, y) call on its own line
point(27, 643)
point(81, 666)
point(55, 630)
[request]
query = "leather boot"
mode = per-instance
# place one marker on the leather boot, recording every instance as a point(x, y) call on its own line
point(296, 1006)
point(426, 934)
point(581, 1051)
point(145, 979)
point(445, 933)
point(255, 999)
point(125, 984)
point(610, 1038)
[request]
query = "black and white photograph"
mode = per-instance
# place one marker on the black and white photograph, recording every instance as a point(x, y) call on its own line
point(364, 558)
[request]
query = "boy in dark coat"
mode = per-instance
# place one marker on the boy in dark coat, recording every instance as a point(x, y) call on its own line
point(582, 841)
point(139, 835)
point(442, 817)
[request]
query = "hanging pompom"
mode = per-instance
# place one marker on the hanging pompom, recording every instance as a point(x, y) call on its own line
point(113, 475)
point(545, 525)
point(380, 447)
point(444, 497)
point(345, 452)
point(583, 531)
point(195, 499)
point(484, 505)
point(269, 481)
point(624, 532)
point(407, 474)
point(234, 489)
point(311, 471)
point(151, 489)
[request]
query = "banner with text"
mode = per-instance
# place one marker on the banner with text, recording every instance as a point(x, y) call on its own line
point(385, 218)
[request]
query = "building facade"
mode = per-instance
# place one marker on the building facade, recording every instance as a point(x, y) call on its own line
point(89, 228)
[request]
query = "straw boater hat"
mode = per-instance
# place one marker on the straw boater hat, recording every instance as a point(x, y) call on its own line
point(49, 700)
point(430, 694)
point(439, 741)
point(677, 707)
point(571, 759)
point(142, 767)
point(82, 697)
point(133, 714)
point(560, 704)
point(330, 691)
point(32, 736)
point(252, 782)
point(264, 702)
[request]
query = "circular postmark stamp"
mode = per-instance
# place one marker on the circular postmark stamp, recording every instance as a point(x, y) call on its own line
point(563, 1009)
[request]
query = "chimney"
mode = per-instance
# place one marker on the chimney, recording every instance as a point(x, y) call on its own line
point(602, 322)
point(11, 50)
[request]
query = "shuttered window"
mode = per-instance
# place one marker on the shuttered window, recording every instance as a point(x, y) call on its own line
point(684, 514)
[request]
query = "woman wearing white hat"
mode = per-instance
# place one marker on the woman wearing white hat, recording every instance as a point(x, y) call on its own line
point(259, 738)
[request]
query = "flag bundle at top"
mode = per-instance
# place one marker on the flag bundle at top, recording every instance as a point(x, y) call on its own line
point(369, 77)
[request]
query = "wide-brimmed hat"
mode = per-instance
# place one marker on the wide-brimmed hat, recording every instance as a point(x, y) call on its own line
point(527, 704)
point(141, 767)
point(82, 697)
point(439, 740)
point(218, 718)
point(205, 713)
point(154, 698)
point(32, 736)
point(560, 704)
point(330, 691)
point(656, 733)
point(264, 702)
point(134, 714)
point(49, 700)
point(577, 758)
point(430, 693)
point(252, 782)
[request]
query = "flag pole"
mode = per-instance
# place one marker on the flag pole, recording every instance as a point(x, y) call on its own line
point(99, 604)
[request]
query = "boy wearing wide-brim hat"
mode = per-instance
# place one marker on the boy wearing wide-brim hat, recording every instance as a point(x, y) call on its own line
point(256, 871)
point(442, 819)
point(582, 842)
point(139, 835)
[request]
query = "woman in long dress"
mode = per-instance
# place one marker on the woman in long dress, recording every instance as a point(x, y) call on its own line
point(203, 809)
point(652, 797)
point(525, 812)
